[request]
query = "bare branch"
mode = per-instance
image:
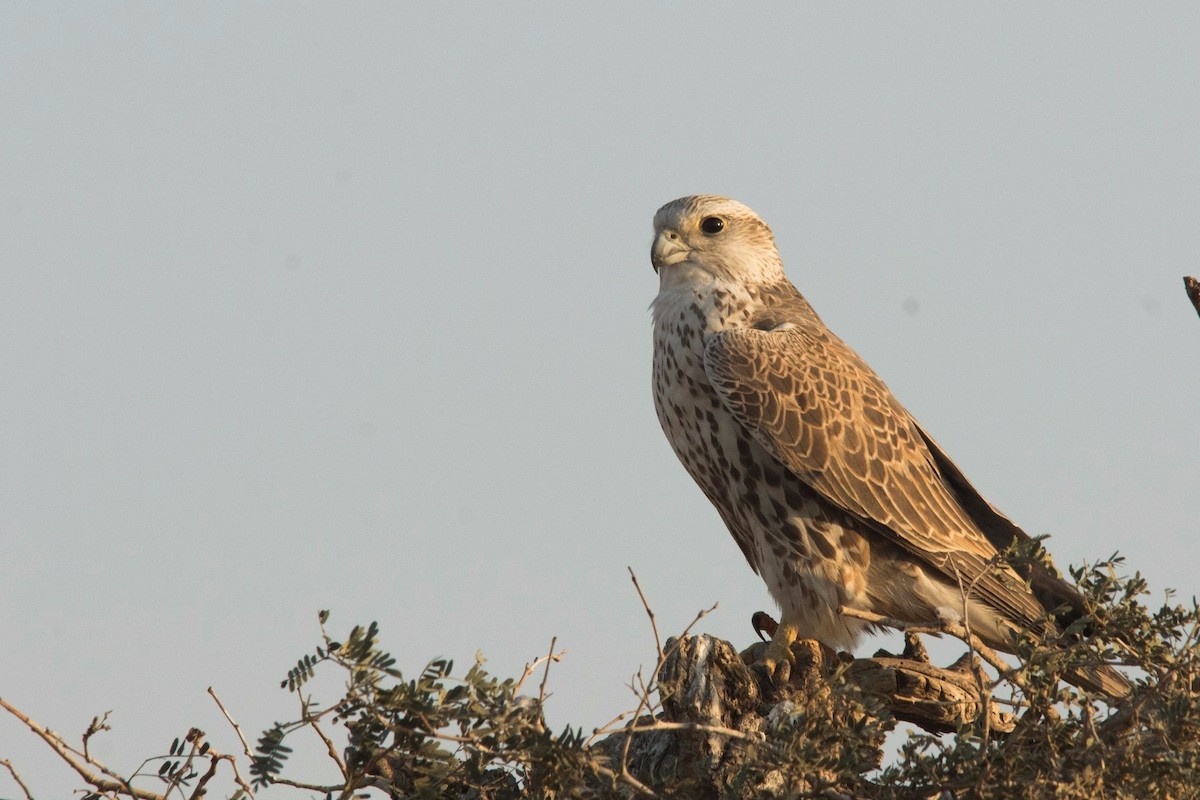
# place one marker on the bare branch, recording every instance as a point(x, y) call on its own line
point(531, 667)
point(200, 790)
point(649, 613)
point(4, 762)
point(948, 627)
point(333, 753)
point(646, 691)
point(95, 726)
point(113, 783)
point(237, 775)
point(546, 675)
point(237, 729)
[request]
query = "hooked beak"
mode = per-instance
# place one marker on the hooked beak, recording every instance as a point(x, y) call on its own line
point(667, 249)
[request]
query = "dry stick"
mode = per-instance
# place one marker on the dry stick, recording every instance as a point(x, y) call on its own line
point(175, 779)
point(97, 724)
point(649, 613)
point(1192, 286)
point(985, 694)
point(546, 675)
point(950, 628)
point(237, 776)
point(606, 728)
point(697, 727)
point(214, 759)
point(312, 787)
point(237, 729)
point(200, 791)
point(531, 666)
point(337, 759)
point(644, 696)
point(113, 783)
point(312, 721)
point(625, 777)
point(4, 762)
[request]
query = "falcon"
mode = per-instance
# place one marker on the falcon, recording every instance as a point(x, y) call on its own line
point(833, 492)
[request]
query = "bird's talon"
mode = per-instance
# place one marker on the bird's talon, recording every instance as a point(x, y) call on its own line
point(777, 663)
point(762, 622)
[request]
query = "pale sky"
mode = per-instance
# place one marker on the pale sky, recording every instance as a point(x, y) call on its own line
point(345, 306)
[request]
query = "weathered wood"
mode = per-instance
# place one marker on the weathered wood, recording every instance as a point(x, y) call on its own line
point(715, 706)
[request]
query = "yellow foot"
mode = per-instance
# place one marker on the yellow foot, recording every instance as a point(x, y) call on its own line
point(777, 661)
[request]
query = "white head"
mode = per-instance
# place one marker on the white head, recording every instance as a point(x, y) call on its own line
point(703, 238)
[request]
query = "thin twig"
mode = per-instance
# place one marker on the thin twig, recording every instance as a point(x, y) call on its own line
point(692, 727)
point(237, 775)
point(624, 776)
point(606, 728)
point(644, 696)
point(237, 729)
point(97, 724)
point(945, 626)
point(195, 738)
point(312, 787)
point(985, 691)
point(199, 791)
point(4, 762)
point(333, 753)
point(546, 675)
point(649, 613)
point(531, 667)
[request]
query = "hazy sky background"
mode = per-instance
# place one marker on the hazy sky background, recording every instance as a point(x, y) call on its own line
point(345, 306)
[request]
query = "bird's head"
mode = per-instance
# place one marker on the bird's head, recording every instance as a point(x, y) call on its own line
point(705, 237)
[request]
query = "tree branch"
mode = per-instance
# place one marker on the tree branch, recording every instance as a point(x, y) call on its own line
point(113, 783)
point(4, 762)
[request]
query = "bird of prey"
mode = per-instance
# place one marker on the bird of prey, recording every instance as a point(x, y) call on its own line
point(834, 493)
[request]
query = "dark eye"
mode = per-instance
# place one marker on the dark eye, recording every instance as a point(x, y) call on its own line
point(712, 225)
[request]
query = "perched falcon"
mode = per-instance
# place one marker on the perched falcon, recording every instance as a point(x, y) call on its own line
point(834, 493)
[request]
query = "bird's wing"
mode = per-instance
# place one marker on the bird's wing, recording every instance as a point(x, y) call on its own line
point(816, 406)
point(1045, 581)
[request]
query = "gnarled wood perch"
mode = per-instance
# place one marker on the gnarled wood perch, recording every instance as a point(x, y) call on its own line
point(715, 705)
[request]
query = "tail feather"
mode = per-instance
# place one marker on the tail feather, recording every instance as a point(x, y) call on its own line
point(1101, 679)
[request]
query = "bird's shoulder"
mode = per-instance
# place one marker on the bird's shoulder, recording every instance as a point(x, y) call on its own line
point(782, 333)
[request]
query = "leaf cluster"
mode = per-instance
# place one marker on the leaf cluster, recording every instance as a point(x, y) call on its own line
point(431, 734)
point(1069, 743)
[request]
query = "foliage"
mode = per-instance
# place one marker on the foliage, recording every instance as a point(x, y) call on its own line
point(438, 734)
point(432, 735)
point(1067, 743)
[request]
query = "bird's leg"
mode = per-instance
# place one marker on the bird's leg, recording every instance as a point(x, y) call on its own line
point(778, 658)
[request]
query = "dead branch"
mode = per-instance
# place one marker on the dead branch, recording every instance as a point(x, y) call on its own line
point(714, 706)
point(4, 762)
point(237, 775)
point(104, 780)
